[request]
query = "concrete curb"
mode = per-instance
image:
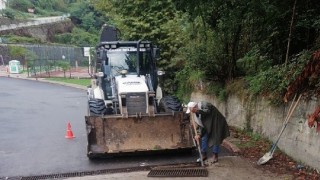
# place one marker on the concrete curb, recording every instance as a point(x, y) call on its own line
point(19, 76)
point(230, 146)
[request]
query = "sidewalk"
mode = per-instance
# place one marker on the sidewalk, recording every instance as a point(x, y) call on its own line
point(228, 168)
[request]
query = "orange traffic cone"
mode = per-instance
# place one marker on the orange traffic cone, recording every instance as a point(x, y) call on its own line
point(69, 134)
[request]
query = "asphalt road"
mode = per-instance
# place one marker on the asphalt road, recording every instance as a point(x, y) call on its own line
point(33, 123)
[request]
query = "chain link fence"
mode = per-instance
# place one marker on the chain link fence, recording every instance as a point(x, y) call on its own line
point(46, 60)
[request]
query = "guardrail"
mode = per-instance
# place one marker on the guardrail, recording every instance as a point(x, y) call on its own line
point(35, 22)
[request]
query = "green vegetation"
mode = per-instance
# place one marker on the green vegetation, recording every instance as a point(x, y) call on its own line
point(17, 52)
point(9, 13)
point(64, 65)
point(249, 139)
point(82, 82)
point(82, 14)
point(77, 37)
point(156, 21)
point(218, 47)
point(41, 7)
point(211, 44)
point(20, 39)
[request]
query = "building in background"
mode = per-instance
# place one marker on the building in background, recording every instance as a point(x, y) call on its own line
point(3, 4)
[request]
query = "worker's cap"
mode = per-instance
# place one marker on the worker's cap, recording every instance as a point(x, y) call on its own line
point(190, 105)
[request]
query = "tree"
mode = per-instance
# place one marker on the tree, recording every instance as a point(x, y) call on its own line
point(84, 14)
point(83, 38)
point(48, 67)
point(31, 58)
point(17, 52)
point(9, 13)
point(64, 65)
point(156, 21)
point(219, 40)
point(290, 32)
point(88, 21)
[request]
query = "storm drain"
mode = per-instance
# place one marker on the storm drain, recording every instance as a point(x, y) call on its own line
point(77, 174)
point(180, 172)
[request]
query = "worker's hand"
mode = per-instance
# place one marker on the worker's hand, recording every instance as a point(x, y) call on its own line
point(197, 138)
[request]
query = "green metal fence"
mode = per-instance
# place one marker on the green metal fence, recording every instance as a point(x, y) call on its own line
point(48, 61)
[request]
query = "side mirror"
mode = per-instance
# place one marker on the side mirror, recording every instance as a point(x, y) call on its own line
point(101, 55)
point(156, 53)
point(106, 62)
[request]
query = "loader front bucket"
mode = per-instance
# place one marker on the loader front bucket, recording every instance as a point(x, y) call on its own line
point(115, 135)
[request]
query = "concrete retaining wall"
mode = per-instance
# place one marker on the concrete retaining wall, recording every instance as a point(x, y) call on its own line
point(43, 32)
point(298, 140)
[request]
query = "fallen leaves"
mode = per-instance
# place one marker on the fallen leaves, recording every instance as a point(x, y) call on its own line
point(253, 149)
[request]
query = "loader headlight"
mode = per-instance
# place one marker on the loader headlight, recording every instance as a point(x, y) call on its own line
point(124, 72)
point(113, 46)
point(160, 73)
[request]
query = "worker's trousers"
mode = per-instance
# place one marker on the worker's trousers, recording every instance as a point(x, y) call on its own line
point(204, 145)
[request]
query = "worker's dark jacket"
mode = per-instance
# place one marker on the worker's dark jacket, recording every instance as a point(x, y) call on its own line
point(214, 123)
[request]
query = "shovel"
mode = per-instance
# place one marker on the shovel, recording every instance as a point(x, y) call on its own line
point(269, 154)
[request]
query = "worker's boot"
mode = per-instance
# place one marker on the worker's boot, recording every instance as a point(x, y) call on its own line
point(204, 157)
point(215, 158)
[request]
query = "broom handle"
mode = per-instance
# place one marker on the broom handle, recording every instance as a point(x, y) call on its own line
point(197, 142)
point(290, 108)
point(286, 122)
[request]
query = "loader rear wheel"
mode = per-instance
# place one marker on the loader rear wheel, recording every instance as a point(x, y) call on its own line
point(169, 104)
point(97, 107)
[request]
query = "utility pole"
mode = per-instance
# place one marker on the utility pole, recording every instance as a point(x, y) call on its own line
point(6, 4)
point(290, 32)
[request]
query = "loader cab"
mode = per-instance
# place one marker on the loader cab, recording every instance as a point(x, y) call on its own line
point(136, 57)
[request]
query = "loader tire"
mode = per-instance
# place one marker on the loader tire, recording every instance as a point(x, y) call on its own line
point(169, 104)
point(97, 107)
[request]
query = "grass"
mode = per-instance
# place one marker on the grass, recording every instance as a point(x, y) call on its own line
point(81, 82)
point(249, 139)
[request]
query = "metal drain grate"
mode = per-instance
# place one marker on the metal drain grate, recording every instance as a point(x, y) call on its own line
point(180, 172)
point(77, 174)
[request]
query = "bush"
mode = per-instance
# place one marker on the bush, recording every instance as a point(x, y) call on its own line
point(21, 5)
point(62, 38)
point(19, 39)
point(64, 65)
point(272, 83)
point(9, 13)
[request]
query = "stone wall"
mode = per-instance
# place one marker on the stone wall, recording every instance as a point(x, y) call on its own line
point(44, 32)
point(298, 140)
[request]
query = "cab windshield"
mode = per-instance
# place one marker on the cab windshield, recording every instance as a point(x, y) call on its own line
point(120, 59)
